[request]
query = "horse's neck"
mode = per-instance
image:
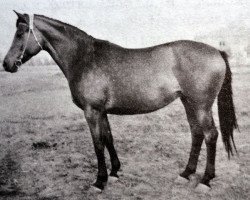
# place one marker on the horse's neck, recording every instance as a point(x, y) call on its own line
point(66, 45)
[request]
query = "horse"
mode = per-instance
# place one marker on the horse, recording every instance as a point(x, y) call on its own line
point(105, 78)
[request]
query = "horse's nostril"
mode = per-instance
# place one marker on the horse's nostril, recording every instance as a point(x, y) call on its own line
point(18, 63)
point(4, 64)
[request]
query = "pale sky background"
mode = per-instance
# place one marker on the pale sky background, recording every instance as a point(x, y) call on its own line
point(131, 23)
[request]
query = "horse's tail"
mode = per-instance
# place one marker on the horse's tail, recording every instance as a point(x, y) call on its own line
point(228, 121)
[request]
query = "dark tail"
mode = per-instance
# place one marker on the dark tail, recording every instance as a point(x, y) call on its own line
point(228, 121)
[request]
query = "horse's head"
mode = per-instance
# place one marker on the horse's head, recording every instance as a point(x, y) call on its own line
point(27, 42)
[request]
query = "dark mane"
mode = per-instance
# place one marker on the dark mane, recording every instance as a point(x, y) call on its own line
point(61, 25)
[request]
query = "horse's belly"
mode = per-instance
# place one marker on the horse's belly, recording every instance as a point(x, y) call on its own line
point(142, 99)
point(139, 107)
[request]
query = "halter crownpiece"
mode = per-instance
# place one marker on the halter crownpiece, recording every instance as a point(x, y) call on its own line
point(18, 63)
point(31, 17)
point(31, 26)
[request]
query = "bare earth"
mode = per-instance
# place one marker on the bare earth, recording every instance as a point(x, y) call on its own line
point(46, 152)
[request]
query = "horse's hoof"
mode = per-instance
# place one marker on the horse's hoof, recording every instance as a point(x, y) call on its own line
point(194, 180)
point(113, 179)
point(202, 188)
point(181, 180)
point(94, 189)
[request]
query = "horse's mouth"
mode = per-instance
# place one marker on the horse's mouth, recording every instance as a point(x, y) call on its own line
point(13, 70)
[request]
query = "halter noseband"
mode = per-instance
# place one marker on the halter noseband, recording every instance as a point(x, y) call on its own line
point(18, 62)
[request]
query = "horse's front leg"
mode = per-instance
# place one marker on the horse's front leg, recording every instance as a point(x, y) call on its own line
point(111, 149)
point(94, 119)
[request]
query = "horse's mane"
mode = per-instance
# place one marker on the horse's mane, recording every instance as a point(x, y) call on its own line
point(73, 29)
point(62, 24)
point(59, 22)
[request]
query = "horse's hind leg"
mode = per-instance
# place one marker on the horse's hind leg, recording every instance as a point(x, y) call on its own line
point(115, 163)
point(206, 121)
point(197, 139)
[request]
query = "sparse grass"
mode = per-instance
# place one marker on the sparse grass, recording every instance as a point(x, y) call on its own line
point(36, 106)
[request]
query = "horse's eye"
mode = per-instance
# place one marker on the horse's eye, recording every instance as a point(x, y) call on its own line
point(19, 35)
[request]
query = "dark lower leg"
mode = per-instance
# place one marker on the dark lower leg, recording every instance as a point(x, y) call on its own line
point(211, 153)
point(194, 155)
point(115, 163)
point(197, 138)
point(211, 134)
point(102, 175)
point(94, 119)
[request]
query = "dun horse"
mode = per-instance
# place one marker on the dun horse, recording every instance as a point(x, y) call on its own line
point(105, 78)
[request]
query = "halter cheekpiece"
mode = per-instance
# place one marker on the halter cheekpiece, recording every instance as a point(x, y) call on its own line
point(18, 63)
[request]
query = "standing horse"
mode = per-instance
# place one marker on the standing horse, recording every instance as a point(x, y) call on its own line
point(105, 78)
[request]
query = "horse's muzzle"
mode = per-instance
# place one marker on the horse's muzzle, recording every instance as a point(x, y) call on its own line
point(8, 69)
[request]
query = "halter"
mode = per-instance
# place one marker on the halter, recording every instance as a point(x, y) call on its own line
point(18, 62)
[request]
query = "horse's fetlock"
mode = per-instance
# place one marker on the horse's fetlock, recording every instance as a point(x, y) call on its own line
point(102, 178)
point(188, 171)
point(117, 165)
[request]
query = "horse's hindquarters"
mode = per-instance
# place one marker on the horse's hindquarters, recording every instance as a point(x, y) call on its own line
point(200, 73)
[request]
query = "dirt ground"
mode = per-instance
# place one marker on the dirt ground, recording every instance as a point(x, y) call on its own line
point(46, 152)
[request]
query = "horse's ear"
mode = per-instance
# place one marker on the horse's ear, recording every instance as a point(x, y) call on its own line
point(19, 14)
point(21, 18)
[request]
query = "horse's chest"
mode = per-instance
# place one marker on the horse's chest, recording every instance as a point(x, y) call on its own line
point(91, 89)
